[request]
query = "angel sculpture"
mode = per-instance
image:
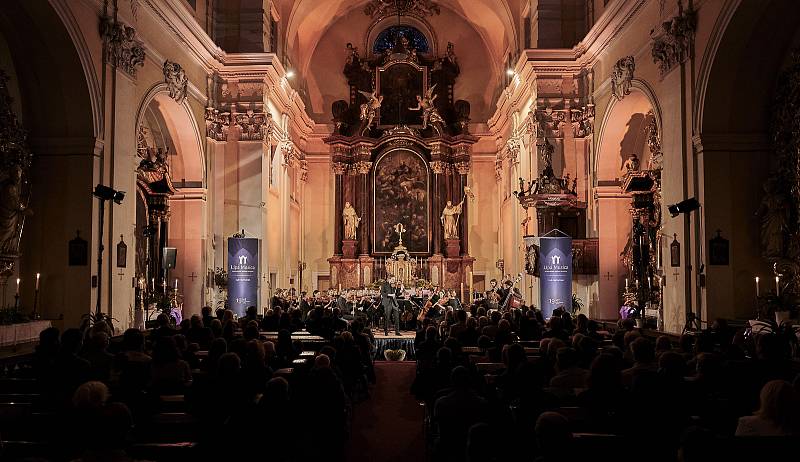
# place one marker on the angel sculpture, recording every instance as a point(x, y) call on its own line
point(368, 109)
point(429, 112)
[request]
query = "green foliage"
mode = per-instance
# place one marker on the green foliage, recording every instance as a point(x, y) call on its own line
point(12, 315)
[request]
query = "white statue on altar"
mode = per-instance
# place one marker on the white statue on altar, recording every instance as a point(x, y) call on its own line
point(449, 219)
point(351, 221)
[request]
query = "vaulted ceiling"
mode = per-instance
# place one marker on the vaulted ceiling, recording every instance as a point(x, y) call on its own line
point(317, 30)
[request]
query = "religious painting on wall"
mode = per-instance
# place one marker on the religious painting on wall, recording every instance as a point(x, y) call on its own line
point(401, 191)
point(400, 84)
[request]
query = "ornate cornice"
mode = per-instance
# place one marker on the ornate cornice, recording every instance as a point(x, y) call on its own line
point(379, 9)
point(123, 49)
point(462, 168)
point(674, 42)
point(621, 77)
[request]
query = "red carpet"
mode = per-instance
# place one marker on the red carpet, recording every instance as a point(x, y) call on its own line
point(388, 426)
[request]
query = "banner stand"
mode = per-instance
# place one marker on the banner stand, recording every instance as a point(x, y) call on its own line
point(555, 272)
point(243, 278)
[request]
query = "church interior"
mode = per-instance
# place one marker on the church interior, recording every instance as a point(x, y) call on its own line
point(399, 229)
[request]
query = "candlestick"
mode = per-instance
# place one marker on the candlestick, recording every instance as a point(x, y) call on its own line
point(626, 284)
point(462, 292)
point(778, 286)
point(757, 288)
point(17, 286)
point(153, 283)
point(37, 280)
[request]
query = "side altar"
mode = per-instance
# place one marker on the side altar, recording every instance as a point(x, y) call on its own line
point(401, 156)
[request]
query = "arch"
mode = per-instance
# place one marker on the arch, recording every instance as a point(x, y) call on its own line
point(749, 45)
point(623, 132)
point(639, 88)
point(181, 122)
point(377, 28)
point(59, 106)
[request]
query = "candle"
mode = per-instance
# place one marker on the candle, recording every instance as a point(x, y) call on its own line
point(176, 284)
point(340, 288)
point(778, 286)
point(626, 284)
point(462, 292)
point(37, 280)
point(153, 283)
point(17, 286)
point(757, 286)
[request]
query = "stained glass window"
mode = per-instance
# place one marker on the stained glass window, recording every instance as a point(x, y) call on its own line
point(389, 36)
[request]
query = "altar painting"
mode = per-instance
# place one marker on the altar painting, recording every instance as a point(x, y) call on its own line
point(401, 191)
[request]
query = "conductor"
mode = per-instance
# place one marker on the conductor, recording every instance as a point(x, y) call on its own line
point(390, 306)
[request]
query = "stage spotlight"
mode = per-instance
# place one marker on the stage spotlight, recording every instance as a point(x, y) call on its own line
point(108, 194)
point(684, 206)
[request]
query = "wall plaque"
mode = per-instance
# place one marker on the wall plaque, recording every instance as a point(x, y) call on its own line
point(122, 253)
point(675, 252)
point(719, 250)
point(78, 251)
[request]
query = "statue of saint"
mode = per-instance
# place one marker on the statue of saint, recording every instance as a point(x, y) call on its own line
point(774, 213)
point(351, 221)
point(449, 219)
point(11, 210)
point(429, 113)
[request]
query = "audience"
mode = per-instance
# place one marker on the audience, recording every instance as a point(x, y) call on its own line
point(541, 401)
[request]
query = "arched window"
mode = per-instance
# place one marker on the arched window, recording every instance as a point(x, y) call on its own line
point(389, 36)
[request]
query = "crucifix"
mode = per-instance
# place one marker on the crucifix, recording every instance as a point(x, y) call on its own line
point(121, 274)
point(400, 229)
point(192, 276)
point(676, 273)
point(608, 275)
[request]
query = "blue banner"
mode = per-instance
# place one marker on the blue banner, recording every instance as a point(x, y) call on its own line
point(242, 274)
point(555, 274)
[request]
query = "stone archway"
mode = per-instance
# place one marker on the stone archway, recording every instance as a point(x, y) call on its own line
point(167, 126)
point(57, 102)
point(623, 132)
point(734, 118)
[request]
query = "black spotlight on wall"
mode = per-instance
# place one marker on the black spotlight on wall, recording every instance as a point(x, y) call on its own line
point(108, 194)
point(684, 206)
point(104, 193)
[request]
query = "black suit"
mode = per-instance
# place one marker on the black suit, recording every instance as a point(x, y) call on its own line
point(391, 309)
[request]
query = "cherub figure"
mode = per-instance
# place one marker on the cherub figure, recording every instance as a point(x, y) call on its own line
point(429, 112)
point(368, 109)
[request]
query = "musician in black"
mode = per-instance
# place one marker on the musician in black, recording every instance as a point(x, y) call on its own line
point(391, 309)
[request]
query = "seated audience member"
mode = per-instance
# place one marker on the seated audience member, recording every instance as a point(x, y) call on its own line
point(100, 360)
point(163, 328)
point(218, 348)
point(777, 414)
point(426, 351)
point(170, 374)
point(503, 335)
point(103, 427)
point(555, 329)
point(491, 328)
point(529, 327)
point(206, 314)
point(663, 344)
point(460, 325)
point(481, 443)
point(216, 328)
point(644, 363)
point(605, 399)
point(46, 353)
point(469, 336)
point(509, 383)
point(255, 372)
point(70, 369)
point(198, 333)
point(569, 375)
point(455, 413)
point(553, 437)
point(582, 325)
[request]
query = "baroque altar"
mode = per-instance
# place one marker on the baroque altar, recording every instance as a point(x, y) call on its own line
point(400, 155)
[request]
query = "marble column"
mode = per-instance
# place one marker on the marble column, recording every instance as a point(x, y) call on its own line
point(338, 169)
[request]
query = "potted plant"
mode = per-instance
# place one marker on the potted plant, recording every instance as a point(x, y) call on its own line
point(577, 304)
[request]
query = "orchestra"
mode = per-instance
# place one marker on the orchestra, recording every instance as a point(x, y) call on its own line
point(414, 305)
